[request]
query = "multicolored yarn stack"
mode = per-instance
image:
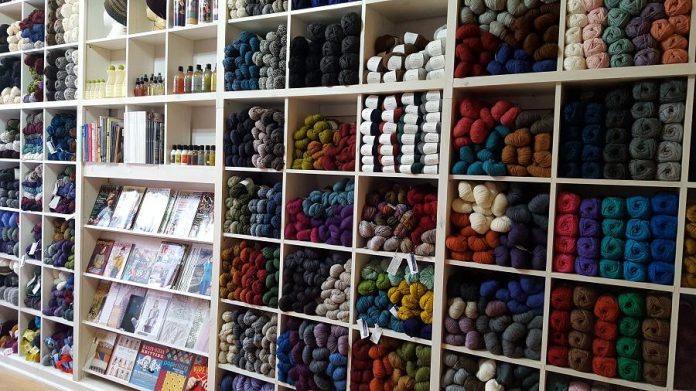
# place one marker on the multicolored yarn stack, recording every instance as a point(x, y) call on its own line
point(308, 280)
point(9, 331)
point(410, 295)
point(685, 360)
point(313, 356)
point(620, 238)
point(271, 59)
point(28, 33)
point(622, 335)
point(401, 133)
point(9, 227)
point(324, 144)
point(234, 382)
point(250, 273)
point(32, 186)
point(253, 209)
point(35, 87)
point(302, 4)
point(10, 80)
point(30, 341)
point(463, 372)
point(33, 136)
point(402, 219)
point(61, 137)
point(65, 191)
point(248, 341)
point(61, 299)
point(501, 314)
point(243, 8)
point(63, 22)
point(631, 132)
point(10, 140)
point(32, 291)
point(61, 251)
point(9, 188)
point(388, 365)
point(240, 71)
point(689, 263)
point(255, 138)
point(324, 216)
point(61, 75)
point(9, 281)
point(58, 349)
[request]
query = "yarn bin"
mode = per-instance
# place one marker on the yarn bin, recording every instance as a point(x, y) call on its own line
point(28, 33)
point(32, 190)
point(61, 75)
point(247, 340)
point(686, 340)
point(253, 62)
point(64, 190)
point(36, 231)
point(9, 281)
point(9, 331)
point(10, 140)
point(389, 364)
point(9, 228)
point(61, 299)
point(233, 382)
point(30, 340)
point(61, 251)
point(249, 273)
point(58, 349)
point(32, 290)
point(255, 138)
point(9, 188)
point(61, 138)
point(63, 22)
point(35, 87)
point(244, 8)
point(253, 209)
point(33, 136)
point(689, 262)
point(467, 372)
point(557, 382)
point(324, 144)
point(302, 4)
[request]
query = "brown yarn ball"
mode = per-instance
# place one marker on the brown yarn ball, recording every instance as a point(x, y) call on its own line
point(539, 172)
point(509, 154)
point(531, 43)
point(547, 51)
point(542, 142)
point(551, 35)
point(516, 170)
point(519, 138)
point(545, 21)
point(524, 156)
point(543, 159)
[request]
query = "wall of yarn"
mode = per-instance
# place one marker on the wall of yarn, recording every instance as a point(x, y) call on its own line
point(323, 216)
point(603, 34)
point(61, 74)
point(32, 189)
point(63, 22)
point(33, 136)
point(58, 349)
point(408, 58)
point(324, 144)
point(254, 62)
point(32, 289)
point(61, 250)
point(632, 131)
point(30, 341)
point(244, 8)
point(499, 313)
point(9, 228)
point(400, 218)
point(233, 382)
point(631, 238)
point(317, 283)
point(411, 293)
point(34, 89)
point(60, 302)
point(253, 209)
point(622, 334)
point(501, 138)
point(495, 223)
point(464, 372)
point(401, 133)
point(302, 4)
point(255, 138)
point(327, 55)
point(686, 340)
point(556, 382)
point(389, 364)
point(499, 37)
point(61, 137)
point(250, 273)
point(10, 139)
point(28, 33)
point(313, 356)
point(247, 340)
point(9, 281)
point(65, 192)
point(9, 331)
point(9, 188)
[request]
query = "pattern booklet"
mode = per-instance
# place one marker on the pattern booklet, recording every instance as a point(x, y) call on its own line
point(97, 263)
point(104, 205)
point(123, 357)
point(152, 315)
point(152, 210)
point(117, 259)
point(175, 370)
point(167, 264)
point(126, 207)
point(182, 214)
point(148, 365)
point(178, 321)
point(100, 352)
point(139, 264)
point(197, 272)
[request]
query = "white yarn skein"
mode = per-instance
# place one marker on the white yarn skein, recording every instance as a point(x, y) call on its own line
point(486, 370)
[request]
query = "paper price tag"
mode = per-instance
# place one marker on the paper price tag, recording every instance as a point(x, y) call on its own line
point(51, 148)
point(6, 352)
point(54, 202)
point(394, 264)
point(364, 330)
point(16, 172)
point(376, 334)
point(32, 250)
point(394, 311)
point(34, 350)
point(55, 189)
point(22, 260)
point(412, 265)
point(69, 217)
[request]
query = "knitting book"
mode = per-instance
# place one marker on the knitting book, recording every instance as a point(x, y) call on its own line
point(117, 259)
point(175, 370)
point(152, 316)
point(152, 210)
point(167, 264)
point(98, 301)
point(202, 226)
point(200, 328)
point(97, 263)
point(182, 214)
point(102, 142)
point(127, 207)
point(139, 264)
point(123, 357)
point(143, 142)
point(104, 205)
point(196, 274)
point(168, 211)
point(100, 352)
point(129, 320)
point(198, 377)
point(148, 365)
point(178, 321)
point(116, 303)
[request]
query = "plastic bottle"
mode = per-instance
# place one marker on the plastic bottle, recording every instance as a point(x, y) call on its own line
point(191, 12)
point(185, 155)
point(145, 86)
point(207, 78)
point(188, 80)
point(201, 156)
point(197, 85)
point(213, 80)
point(88, 89)
point(101, 89)
point(110, 80)
point(211, 157)
point(194, 156)
point(172, 155)
point(179, 81)
point(117, 88)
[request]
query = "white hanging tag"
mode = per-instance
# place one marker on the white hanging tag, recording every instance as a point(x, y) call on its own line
point(412, 264)
point(394, 311)
point(394, 265)
point(376, 334)
point(54, 202)
point(51, 148)
point(32, 250)
point(364, 331)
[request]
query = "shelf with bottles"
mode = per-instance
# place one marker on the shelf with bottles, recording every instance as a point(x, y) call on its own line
point(147, 65)
point(105, 73)
point(191, 14)
point(197, 57)
point(190, 126)
point(192, 155)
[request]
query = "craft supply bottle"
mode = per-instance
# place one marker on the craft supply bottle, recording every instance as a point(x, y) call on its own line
point(179, 13)
point(144, 88)
point(101, 88)
point(207, 78)
point(197, 79)
point(179, 81)
point(201, 155)
point(188, 79)
point(151, 88)
point(213, 80)
point(194, 156)
point(211, 157)
point(110, 79)
point(205, 13)
point(136, 89)
point(191, 12)
point(185, 155)
point(172, 155)
point(119, 75)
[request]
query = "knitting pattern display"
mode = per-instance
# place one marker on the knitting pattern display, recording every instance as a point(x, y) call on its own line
point(614, 33)
point(253, 209)
point(623, 334)
point(248, 341)
point(61, 136)
point(253, 62)
point(629, 238)
point(255, 138)
point(389, 364)
point(249, 273)
point(324, 144)
point(464, 372)
point(244, 8)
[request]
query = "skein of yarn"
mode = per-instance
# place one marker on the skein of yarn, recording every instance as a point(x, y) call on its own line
point(247, 340)
point(390, 364)
point(249, 273)
point(324, 144)
point(463, 371)
point(253, 209)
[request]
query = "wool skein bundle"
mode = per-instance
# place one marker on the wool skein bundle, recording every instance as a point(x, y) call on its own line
point(324, 144)
point(390, 364)
point(9, 281)
point(689, 262)
point(271, 59)
point(36, 233)
point(244, 8)
point(8, 335)
point(65, 192)
point(9, 189)
point(61, 251)
point(61, 136)
point(253, 209)
point(61, 75)
point(247, 340)
point(59, 349)
point(302, 4)
point(35, 88)
point(557, 382)
point(249, 273)
point(10, 140)
point(32, 186)
point(9, 228)
point(240, 71)
point(33, 137)
point(31, 31)
point(234, 382)
point(61, 299)
point(255, 138)
point(466, 372)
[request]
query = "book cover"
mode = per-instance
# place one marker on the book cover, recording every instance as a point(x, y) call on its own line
point(202, 225)
point(199, 328)
point(127, 207)
point(139, 264)
point(104, 205)
point(197, 272)
point(117, 259)
point(130, 318)
point(152, 210)
point(120, 304)
point(97, 263)
point(175, 370)
point(148, 365)
point(183, 212)
point(123, 357)
point(100, 352)
point(168, 211)
point(178, 321)
point(198, 377)
point(152, 316)
point(98, 301)
point(167, 264)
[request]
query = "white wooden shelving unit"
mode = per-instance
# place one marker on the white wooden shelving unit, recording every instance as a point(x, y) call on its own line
point(200, 119)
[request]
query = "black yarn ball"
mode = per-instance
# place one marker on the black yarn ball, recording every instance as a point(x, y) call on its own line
point(334, 33)
point(329, 79)
point(52, 56)
point(348, 77)
point(315, 47)
point(313, 78)
point(299, 46)
point(297, 80)
point(51, 72)
point(315, 32)
point(296, 64)
point(312, 62)
point(350, 44)
point(331, 49)
point(351, 24)
point(349, 61)
point(329, 64)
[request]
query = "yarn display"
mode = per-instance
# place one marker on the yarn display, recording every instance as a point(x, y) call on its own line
point(63, 22)
point(410, 58)
point(501, 314)
point(9, 332)
point(61, 75)
point(64, 190)
point(494, 223)
point(32, 31)
point(34, 242)
point(4, 45)
point(686, 340)
point(623, 334)
point(9, 227)
point(248, 341)
point(10, 140)
point(9, 281)
point(409, 295)
point(271, 59)
point(253, 209)
point(632, 238)
point(557, 382)
point(58, 349)
point(35, 88)
point(461, 371)
point(309, 284)
point(323, 216)
point(61, 140)
point(33, 136)
point(10, 80)
point(234, 382)
point(398, 218)
point(250, 273)
point(32, 291)
point(632, 131)
point(501, 139)
point(9, 188)
point(401, 133)
point(328, 55)
point(313, 356)
point(255, 138)
point(324, 144)
point(240, 71)
point(32, 190)
point(620, 34)
point(390, 364)
point(30, 341)
point(61, 299)
point(302, 4)
point(244, 8)
point(495, 37)
point(689, 261)
point(61, 251)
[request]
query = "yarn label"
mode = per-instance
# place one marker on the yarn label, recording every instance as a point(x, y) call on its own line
point(34, 350)
point(412, 265)
point(394, 311)
point(32, 250)
point(16, 172)
point(54, 202)
point(55, 189)
point(376, 334)
point(6, 352)
point(364, 331)
point(394, 265)
point(51, 148)
point(22, 260)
